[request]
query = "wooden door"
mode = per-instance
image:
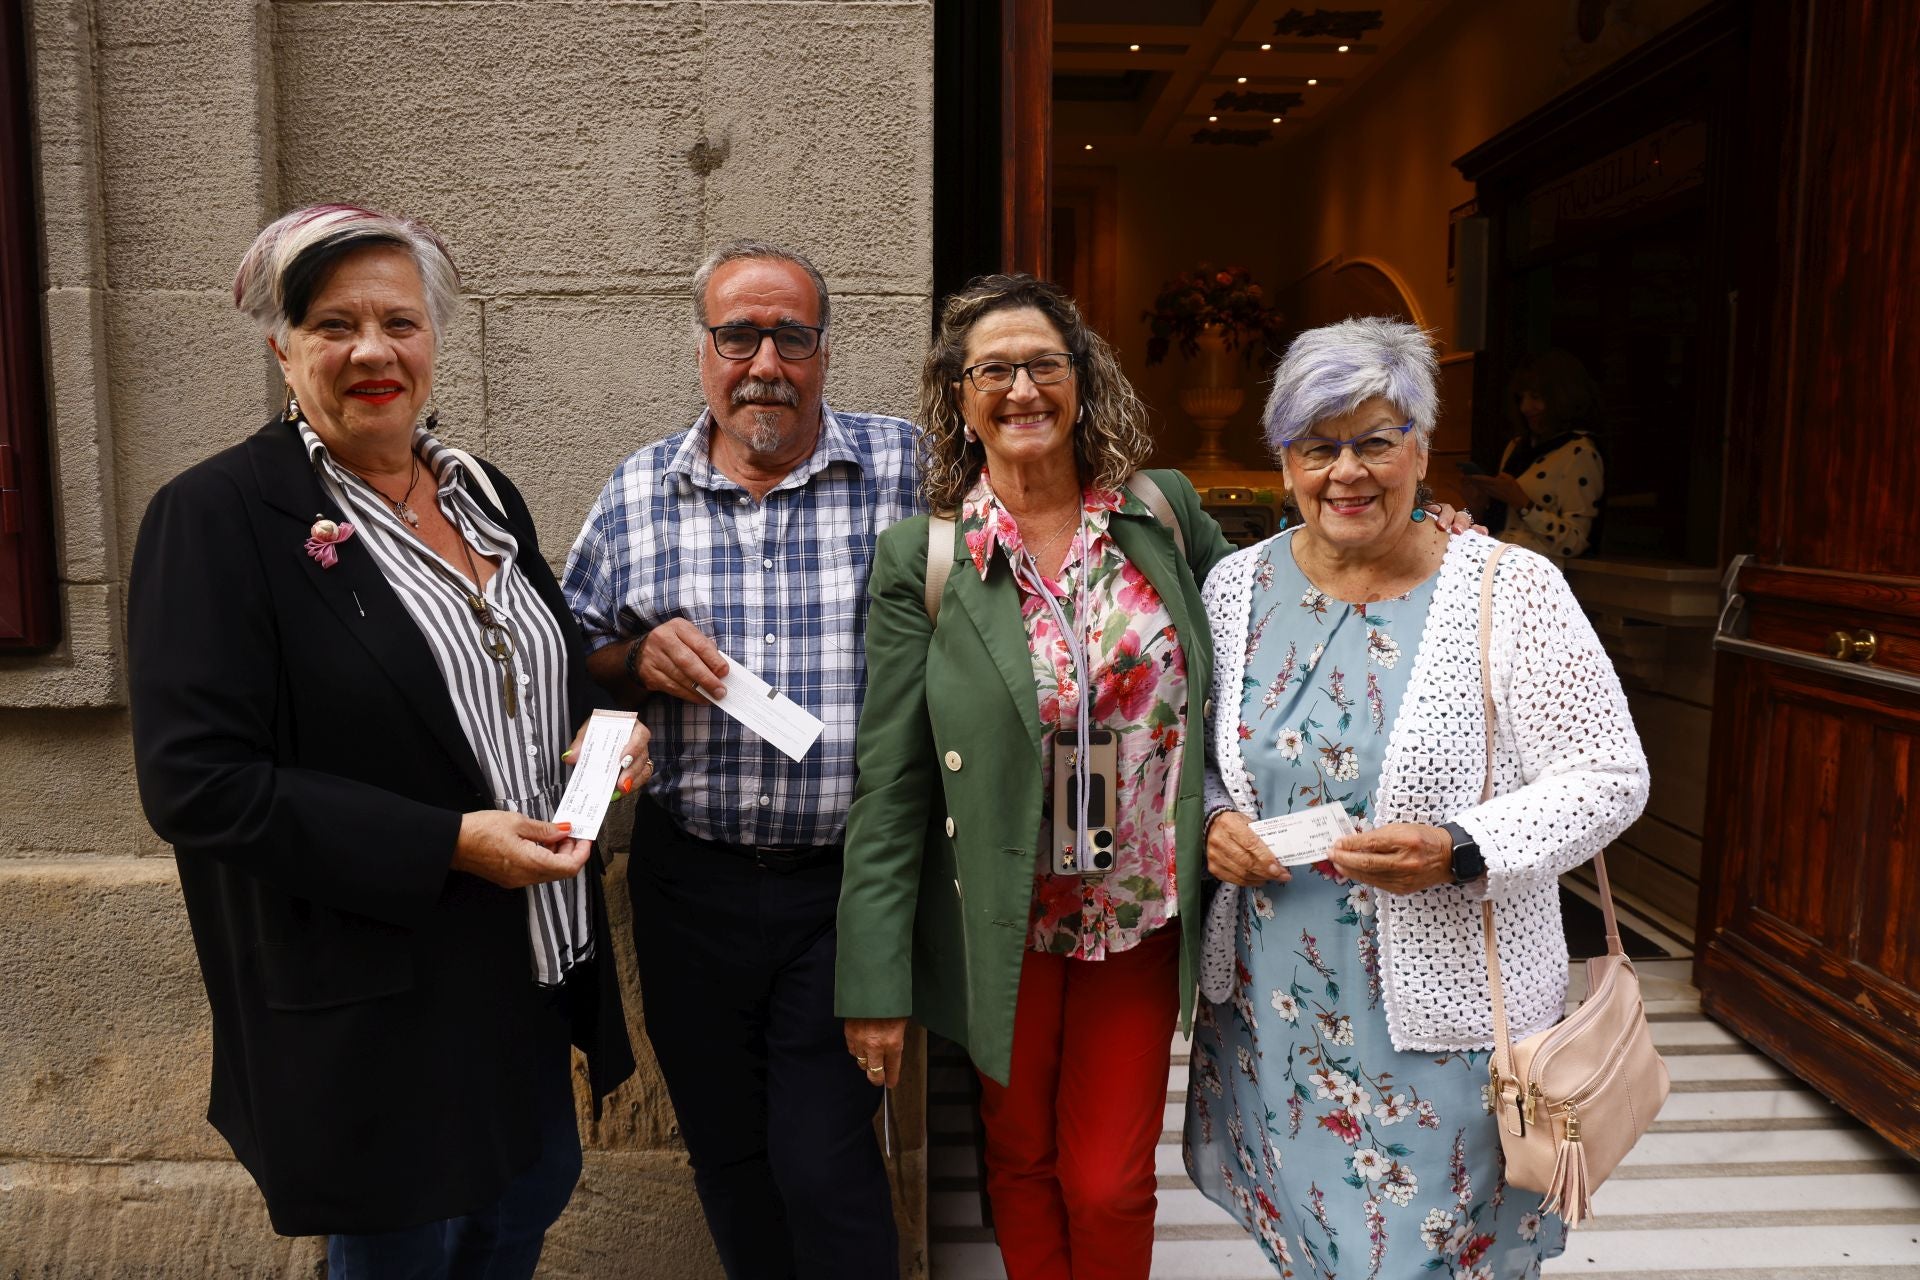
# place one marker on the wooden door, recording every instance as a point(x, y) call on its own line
point(1811, 885)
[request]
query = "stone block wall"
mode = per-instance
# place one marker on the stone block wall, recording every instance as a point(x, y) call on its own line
point(579, 158)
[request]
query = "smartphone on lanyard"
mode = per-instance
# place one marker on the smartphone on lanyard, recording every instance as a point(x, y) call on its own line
point(1067, 858)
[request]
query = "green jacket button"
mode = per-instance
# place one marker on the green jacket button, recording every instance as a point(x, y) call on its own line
point(949, 828)
point(953, 761)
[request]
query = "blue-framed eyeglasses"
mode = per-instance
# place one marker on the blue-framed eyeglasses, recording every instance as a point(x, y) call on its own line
point(1373, 448)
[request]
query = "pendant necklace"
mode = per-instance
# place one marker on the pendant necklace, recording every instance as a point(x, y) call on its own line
point(400, 505)
point(496, 639)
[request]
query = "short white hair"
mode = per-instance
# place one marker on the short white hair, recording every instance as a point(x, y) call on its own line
point(286, 262)
point(1331, 371)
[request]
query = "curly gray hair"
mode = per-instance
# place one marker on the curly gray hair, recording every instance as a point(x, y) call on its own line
point(1109, 444)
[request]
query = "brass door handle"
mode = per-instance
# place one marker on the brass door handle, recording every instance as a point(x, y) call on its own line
point(1858, 647)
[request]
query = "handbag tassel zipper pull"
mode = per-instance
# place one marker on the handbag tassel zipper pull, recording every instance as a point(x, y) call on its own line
point(1568, 1193)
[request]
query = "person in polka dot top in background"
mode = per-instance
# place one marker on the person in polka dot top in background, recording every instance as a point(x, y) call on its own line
point(1552, 474)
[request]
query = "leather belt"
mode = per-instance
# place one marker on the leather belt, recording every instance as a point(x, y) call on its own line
point(774, 857)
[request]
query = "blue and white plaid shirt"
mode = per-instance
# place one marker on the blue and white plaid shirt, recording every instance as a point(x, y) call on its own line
point(780, 585)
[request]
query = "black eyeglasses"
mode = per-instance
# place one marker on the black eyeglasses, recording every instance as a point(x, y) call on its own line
point(742, 341)
point(998, 375)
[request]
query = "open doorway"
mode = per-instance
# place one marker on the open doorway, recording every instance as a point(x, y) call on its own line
point(1517, 178)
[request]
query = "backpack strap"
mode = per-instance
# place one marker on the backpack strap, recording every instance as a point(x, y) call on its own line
point(939, 562)
point(1142, 486)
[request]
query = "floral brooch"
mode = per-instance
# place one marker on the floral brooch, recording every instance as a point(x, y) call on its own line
point(324, 537)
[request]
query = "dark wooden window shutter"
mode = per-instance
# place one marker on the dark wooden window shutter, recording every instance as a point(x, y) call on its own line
point(29, 613)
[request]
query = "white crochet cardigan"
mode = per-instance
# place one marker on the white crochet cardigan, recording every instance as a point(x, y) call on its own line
point(1569, 776)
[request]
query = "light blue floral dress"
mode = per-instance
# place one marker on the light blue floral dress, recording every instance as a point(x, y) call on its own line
point(1342, 1156)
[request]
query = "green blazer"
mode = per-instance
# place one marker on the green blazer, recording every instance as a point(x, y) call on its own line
point(940, 855)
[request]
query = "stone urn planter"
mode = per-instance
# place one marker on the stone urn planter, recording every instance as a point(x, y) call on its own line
point(1212, 395)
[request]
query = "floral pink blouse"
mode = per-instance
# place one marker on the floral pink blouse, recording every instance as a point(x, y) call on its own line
point(1140, 681)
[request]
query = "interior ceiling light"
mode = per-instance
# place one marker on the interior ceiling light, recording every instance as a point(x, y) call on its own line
point(1312, 82)
point(1265, 47)
point(1088, 147)
point(1343, 48)
point(1134, 47)
point(1242, 80)
point(1278, 119)
point(1213, 119)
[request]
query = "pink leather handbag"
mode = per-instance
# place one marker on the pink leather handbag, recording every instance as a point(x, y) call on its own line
point(1573, 1099)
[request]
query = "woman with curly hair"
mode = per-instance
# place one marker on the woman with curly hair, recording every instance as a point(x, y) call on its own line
point(1035, 920)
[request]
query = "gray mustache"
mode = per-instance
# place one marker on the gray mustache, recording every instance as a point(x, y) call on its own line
point(778, 390)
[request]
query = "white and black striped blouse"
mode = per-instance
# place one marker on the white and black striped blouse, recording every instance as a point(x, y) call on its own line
point(517, 731)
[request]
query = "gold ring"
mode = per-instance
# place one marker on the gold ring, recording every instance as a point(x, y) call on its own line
point(876, 1070)
point(857, 1058)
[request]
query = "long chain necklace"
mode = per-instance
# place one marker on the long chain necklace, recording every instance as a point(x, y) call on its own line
point(497, 640)
point(401, 505)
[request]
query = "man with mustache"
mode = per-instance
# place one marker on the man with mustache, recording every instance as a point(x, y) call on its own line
point(747, 538)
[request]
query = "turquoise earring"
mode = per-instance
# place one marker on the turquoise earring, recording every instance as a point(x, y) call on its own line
point(1419, 514)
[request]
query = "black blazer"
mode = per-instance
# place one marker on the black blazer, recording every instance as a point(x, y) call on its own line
point(375, 1018)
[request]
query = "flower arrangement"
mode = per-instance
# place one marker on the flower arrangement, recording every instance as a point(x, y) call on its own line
point(1193, 300)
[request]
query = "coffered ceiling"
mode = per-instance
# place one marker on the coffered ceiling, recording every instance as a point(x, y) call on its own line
point(1232, 74)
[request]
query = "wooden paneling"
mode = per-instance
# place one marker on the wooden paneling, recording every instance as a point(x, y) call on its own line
point(29, 615)
point(1811, 870)
point(1026, 115)
point(1849, 408)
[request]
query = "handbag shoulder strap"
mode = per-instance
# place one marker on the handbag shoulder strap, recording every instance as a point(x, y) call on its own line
point(1502, 1038)
point(468, 461)
point(939, 561)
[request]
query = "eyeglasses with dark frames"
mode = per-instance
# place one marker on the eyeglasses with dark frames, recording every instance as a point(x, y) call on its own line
point(999, 375)
point(742, 341)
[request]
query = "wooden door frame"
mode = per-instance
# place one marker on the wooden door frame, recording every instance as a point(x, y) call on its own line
point(1026, 135)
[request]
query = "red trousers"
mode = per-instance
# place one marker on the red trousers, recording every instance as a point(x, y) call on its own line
point(1070, 1141)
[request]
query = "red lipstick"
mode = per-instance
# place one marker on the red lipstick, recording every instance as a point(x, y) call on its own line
point(376, 392)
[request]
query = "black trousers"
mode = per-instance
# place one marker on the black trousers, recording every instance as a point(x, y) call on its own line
point(736, 978)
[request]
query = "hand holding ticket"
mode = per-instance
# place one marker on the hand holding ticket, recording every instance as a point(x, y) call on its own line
point(597, 764)
point(1297, 839)
point(766, 711)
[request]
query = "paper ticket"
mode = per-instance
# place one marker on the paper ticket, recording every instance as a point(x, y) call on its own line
point(766, 711)
point(1299, 838)
point(596, 768)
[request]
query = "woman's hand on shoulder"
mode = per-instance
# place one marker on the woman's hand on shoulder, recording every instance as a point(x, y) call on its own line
point(1454, 521)
point(514, 851)
point(1401, 857)
point(1237, 856)
point(877, 1046)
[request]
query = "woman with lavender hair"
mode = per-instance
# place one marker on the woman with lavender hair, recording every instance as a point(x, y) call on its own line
point(353, 683)
point(1337, 1100)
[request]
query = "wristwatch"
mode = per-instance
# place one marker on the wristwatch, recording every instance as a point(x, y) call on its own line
point(1468, 865)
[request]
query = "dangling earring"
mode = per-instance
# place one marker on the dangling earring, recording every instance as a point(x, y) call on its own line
point(1419, 514)
point(967, 431)
point(1082, 416)
point(433, 421)
point(291, 411)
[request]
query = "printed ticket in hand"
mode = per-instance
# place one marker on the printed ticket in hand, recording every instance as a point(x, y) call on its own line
point(596, 767)
point(766, 711)
point(1299, 838)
